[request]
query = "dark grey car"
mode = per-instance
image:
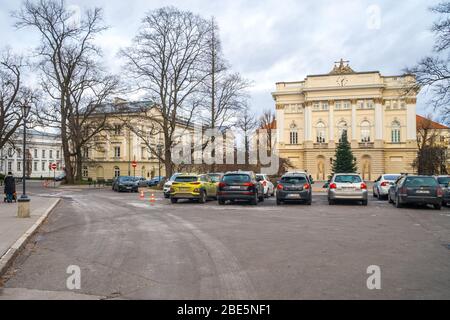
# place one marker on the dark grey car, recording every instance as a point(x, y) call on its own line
point(294, 187)
point(420, 190)
point(444, 182)
point(240, 185)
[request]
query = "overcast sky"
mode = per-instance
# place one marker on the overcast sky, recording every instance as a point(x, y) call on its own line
point(271, 41)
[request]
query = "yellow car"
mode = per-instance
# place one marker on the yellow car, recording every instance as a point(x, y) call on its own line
point(193, 187)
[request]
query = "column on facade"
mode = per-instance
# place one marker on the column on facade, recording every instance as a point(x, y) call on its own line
point(353, 119)
point(379, 125)
point(308, 121)
point(331, 121)
point(411, 125)
point(280, 123)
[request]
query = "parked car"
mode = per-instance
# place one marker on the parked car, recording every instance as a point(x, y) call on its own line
point(141, 182)
point(125, 184)
point(294, 187)
point(444, 182)
point(240, 185)
point(215, 177)
point(60, 177)
point(269, 188)
point(155, 181)
point(193, 187)
point(347, 186)
point(168, 184)
point(420, 190)
point(383, 184)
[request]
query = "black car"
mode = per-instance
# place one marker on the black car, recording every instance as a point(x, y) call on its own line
point(294, 187)
point(420, 190)
point(236, 186)
point(128, 184)
point(444, 182)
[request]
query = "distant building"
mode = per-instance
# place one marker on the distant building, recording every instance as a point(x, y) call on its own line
point(43, 149)
point(379, 118)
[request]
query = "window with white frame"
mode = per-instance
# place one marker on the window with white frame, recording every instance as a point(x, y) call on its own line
point(316, 106)
point(35, 153)
point(9, 165)
point(347, 105)
point(43, 166)
point(293, 136)
point(395, 132)
point(338, 105)
point(320, 133)
point(365, 131)
point(35, 167)
point(116, 172)
point(342, 127)
point(51, 154)
point(116, 152)
point(43, 154)
point(85, 172)
point(19, 166)
point(57, 154)
point(325, 106)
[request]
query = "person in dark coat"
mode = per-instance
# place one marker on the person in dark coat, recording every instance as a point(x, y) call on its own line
point(10, 187)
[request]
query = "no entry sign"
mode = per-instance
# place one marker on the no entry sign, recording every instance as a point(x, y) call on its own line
point(134, 164)
point(53, 166)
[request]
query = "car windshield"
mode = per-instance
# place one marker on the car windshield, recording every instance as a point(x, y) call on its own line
point(259, 178)
point(186, 179)
point(126, 179)
point(236, 178)
point(294, 180)
point(421, 182)
point(348, 179)
point(391, 178)
point(445, 181)
point(215, 177)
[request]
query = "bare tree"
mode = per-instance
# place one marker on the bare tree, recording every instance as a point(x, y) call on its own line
point(70, 73)
point(433, 72)
point(247, 123)
point(267, 123)
point(432, 152)
point(167, 63)
point(13, 93)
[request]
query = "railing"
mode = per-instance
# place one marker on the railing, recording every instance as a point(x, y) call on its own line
point(366, 145)
point(320, 145)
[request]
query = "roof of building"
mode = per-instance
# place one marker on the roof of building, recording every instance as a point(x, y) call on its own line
point(423, 122)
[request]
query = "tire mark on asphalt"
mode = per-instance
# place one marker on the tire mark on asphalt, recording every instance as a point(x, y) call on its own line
point(234, 281)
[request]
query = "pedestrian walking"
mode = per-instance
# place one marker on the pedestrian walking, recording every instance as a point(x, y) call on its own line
point(10, 187)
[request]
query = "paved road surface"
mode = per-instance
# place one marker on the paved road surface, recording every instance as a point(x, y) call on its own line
point(128, 248)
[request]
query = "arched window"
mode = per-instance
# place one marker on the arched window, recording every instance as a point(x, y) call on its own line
point(116, 172)
point(320, 134)
point(395, 132)
point(342, 127)
point(365, 131)
point(85, 171)
point(293, 137)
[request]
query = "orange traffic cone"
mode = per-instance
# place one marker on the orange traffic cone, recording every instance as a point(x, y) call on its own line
point(142, 196)
point(152, 198)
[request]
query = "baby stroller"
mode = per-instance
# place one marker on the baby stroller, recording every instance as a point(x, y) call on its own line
point(14, 199)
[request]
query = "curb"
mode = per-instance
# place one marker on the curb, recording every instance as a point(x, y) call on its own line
point(7, 259)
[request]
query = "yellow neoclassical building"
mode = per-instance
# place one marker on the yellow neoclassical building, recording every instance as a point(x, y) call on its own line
point(376, 112)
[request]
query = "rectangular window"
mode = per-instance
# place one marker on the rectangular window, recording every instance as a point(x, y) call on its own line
point(346, 105)
point(35, 167)
point(396, 136)
point(19, 153)
point(57, 154)
point(19, 166)
point(325, 106)
point(294, 137)
point(370, 105)
point(361, 104)
point(43, 154)
point(43, 168)
point(316, 106)
point(117, 129)
point(51, 154)
point(9, 166)
point(117, 152)
point(143, 153)
point(337, 106)
point(35, 153)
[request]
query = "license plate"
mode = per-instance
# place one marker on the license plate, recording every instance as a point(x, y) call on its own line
point(422, 191)
point(235, 188)
point(293, 195)
point(128, 188)
point(185, 189)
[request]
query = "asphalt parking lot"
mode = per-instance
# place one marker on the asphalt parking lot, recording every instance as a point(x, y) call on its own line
point(131, 248)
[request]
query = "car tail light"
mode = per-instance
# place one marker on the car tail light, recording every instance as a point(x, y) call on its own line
point(306, 186)
point(363, 186)
point(248, 184)
point(440, 192)
point(333, 186)
point(222, 185)
point(384, 184)
point(403, 190)
point(280, 186)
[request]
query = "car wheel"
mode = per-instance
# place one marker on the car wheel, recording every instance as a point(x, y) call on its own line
point(202, 198)
point(221, 202)
point(279, 202)
point(397, 202)
point(254, 201)
point(389, 199)
point(375, 194)
point(261, 198)
point(173, 200)
point(331, 202)
point(437, 206)
point(166, 196)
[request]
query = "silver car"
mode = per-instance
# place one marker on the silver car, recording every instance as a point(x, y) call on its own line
point(383, 184)
point(347, 186)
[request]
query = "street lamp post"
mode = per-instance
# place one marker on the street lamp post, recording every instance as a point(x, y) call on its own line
point(24, 200)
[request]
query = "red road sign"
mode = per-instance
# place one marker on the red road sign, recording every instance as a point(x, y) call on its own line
point(53, 166)
point(134, 164)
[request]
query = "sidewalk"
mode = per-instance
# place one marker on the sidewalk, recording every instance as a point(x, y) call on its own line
point(15, 232)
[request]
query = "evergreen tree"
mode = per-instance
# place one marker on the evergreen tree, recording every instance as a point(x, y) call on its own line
point(344, 159)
